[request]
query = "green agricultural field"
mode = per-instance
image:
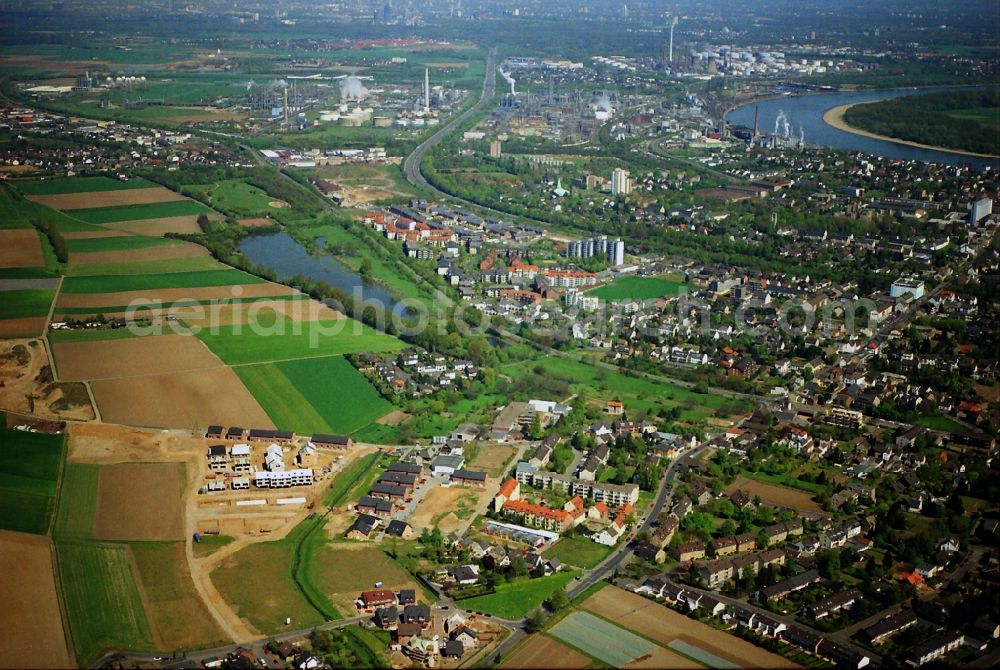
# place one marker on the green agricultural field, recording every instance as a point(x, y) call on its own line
point(95, 335)
point(637, 288)
point(266, 563)
point(176, 611)
point(77, 500)
point(166, 265)
point(325, 395)
point(602, 639)
point(513, 600)
point(156, 210)
point(19, 213)
point(29, 468)
point(293, 340)
point(78, 185)
point(121, 283)
point(580, 552)
point(102, 601)
point(236, 196)
point(636, 392)
point(23, 303)
point(123, 243)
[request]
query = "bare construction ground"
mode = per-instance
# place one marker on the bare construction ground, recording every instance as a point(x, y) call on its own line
point(128, 196)
point(782, 496)
point(27, 385)
point(20, 248)
point(140, 501)
point(180, 400)
point(450, 509)
point(132, 357)
point(31, 632)
point(664, 625)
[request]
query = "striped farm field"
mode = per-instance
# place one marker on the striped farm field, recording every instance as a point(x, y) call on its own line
point(102, 601)
point(602, 640)
point(74, 202)
point(158, 210)
point(141, 282)
point(79, 185)
point(324, 395)
point(118, 243)
point(288, 340)
point(160, 226)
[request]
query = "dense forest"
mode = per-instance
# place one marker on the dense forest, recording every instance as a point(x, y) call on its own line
point(964, 120)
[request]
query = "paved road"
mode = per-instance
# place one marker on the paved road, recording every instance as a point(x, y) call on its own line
point(411, 166)
point(663, 499)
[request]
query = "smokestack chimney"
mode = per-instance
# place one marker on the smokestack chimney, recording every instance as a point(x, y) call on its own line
point(756, 117)
point(427, 89)
point(286, 106)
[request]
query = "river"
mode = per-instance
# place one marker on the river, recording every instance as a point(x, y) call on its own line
point(288, 258)
point(805, 113)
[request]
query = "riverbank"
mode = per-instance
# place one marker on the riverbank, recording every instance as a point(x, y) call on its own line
point(835, 118)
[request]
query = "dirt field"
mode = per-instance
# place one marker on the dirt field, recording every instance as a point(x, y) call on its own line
point(181, 400)
point(160, 253)
point(140, 501)
point(664, 625)
point(128, 196)
point(31, 633)
point(438, 508)
point(393, 418)
point(122, 298)
point(492, 459)
point(20, 248)
point(540, 651)
point(132, 357)
point(776, 495)
point(158, 227)
point(29, 326)
point(108, 443)
point(47, 64)
point(22, 364)
point(262, 310)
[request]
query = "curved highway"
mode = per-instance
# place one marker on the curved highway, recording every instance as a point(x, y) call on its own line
point(411, 166)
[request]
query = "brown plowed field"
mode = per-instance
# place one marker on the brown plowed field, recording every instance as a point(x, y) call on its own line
point(664, 625)
point(140, 501)
point(29, 326)
point(264, 290)
point(782, 496)
point(540, 651)
point(159, 227)
point(128, 196)
point(31, 632)
point(132, 357)
point(262, 310)
point(20, 248)
point(180, 400)
point(165, 252)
